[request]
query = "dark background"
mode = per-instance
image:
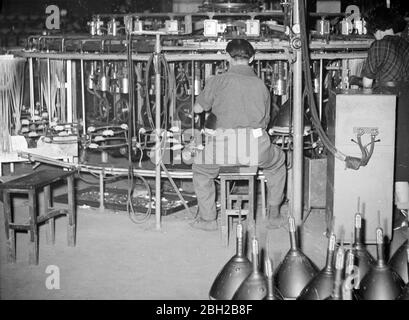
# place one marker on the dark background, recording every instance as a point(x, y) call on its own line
point(21, 18)
point(84, 7)
point(89, 7)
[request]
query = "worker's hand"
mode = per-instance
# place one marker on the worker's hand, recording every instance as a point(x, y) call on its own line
point(211, 121)
point(197, 108)
point(355, 80)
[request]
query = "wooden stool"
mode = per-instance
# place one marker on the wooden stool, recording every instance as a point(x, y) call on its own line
point(31, 184)
point(227, 175)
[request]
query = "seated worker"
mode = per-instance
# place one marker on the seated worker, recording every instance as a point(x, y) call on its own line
point(387, 66)
point(240, 103)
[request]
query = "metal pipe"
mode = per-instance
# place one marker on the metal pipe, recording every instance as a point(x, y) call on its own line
point(83, 98)
point(101, 191)
point(49, 90)
point(40, 87)
point(69, 92)
point(107, 170)
point(298, 125)
point(31, 80)
point(185, 56)
point(192, 89)
point(157, 140)
point(320, 88)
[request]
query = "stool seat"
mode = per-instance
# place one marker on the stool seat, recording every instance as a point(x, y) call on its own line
point(238, 170)
point(227, 175)
point(30, 184)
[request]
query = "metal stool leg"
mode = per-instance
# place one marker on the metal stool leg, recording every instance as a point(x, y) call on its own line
point(10, 233)
point(251, 200)
point(224, 218)
point(50, 233)
point(71, 228)
point(263, 197)
point(33, 243)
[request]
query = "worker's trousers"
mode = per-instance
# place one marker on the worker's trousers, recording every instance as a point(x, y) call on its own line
point(243, 147)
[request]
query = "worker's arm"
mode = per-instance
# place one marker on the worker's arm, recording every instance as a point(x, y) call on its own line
point(205, 99)
point(366, 82)
point(197, 108)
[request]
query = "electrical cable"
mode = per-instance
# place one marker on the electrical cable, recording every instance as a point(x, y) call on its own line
point(168, 88)
point(129, 205)
point(308, 82)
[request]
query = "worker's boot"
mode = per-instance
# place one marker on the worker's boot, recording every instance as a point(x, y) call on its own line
point(206, 225)
point(275, 219)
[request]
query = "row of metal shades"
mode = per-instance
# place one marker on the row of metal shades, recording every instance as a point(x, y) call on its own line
point(354, 275)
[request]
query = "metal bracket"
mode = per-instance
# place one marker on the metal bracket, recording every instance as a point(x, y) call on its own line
point(360, 131)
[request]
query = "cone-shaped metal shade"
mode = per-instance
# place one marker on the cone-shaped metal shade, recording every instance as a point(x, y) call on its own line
point(254, 287)
point(381, 282)
point(295, 271)
point(320, 287)
point(364, 260)
point(405, 293)
point(399, 261)
point(235, 271)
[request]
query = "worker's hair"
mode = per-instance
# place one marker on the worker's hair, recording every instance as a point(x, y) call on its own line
point(382, 18)
point(240, 49)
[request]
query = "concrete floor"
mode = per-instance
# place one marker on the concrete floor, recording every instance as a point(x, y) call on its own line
point(117, 259)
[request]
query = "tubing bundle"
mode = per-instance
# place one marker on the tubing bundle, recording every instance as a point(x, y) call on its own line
point(52, 78)
point(11, 98)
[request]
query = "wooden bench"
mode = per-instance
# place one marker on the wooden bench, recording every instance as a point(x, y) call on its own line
point(31, 184)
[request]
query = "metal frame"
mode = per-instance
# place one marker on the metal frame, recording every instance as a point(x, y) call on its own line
point(268, 50)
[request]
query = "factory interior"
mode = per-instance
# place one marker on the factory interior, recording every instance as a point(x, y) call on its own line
point(108, 107)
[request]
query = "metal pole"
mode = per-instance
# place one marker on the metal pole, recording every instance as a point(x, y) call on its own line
point(49, 90)
point(69, 92)
point(31, 75)
point(101, 191)
point(158, 129)
point(192, 88)
point(320, 88)
point(83, 98)
point(298, 125)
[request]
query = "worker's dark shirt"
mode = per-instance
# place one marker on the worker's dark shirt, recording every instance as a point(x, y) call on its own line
point(238, 98)
point(388, 60)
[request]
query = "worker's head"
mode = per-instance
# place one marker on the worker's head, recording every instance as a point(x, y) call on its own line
point(240, 51)
point(381, 21)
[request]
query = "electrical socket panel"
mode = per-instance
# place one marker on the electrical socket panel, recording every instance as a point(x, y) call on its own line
point(172, 26)
point(253, 28)
point(138, 25)
point(210, 28)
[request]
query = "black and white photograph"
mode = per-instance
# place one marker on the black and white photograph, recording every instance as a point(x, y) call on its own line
point(204, 158)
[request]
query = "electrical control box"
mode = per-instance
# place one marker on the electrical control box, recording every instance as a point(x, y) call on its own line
point(353, 114)
point(172, 26)
point(253, 28)
point(138, 25)
point(210, 28)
